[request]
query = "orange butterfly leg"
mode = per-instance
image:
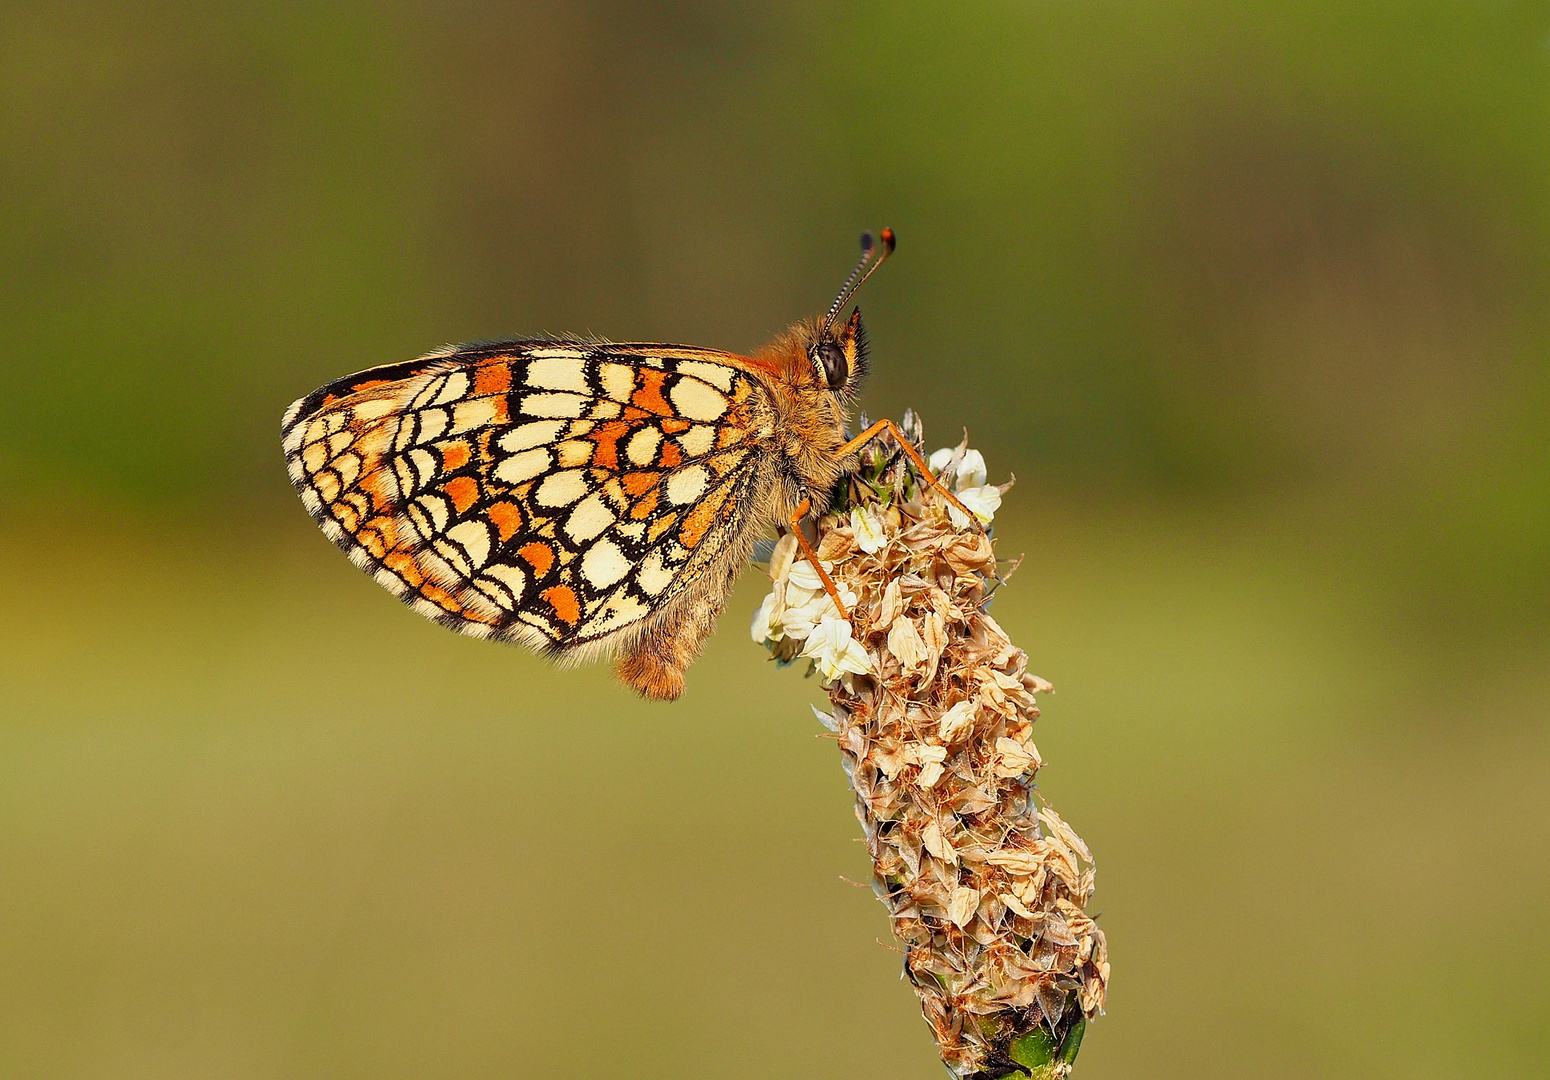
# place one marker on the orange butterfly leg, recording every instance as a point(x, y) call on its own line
point(795, 524)
point(914, 455)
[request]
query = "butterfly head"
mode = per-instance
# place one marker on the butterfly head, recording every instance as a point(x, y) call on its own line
point(838, 353)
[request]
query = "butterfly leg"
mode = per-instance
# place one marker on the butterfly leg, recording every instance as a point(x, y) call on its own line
point(795, 525)
point(888, 426)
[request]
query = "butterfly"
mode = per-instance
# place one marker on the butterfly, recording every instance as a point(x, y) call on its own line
point(585, 498)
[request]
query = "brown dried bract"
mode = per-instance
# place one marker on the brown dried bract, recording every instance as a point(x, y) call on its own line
point(934, 709)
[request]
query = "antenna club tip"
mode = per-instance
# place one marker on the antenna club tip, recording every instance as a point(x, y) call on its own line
point(889, 241)
point(866, 241)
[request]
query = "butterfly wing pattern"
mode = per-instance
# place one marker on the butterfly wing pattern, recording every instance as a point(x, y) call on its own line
point(563, 494)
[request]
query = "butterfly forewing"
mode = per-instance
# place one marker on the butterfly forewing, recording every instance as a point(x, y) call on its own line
point(551, 492)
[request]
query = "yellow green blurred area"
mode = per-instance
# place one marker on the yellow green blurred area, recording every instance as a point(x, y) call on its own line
point(1253, 300)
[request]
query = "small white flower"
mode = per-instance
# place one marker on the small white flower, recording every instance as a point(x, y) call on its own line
point(958, 471)
point(799, 621)
point(835, 651)
point(808, 602)
point(983, 502)
point(805, 576)
point(970, 472)
point(765, 628)
point(868, 528)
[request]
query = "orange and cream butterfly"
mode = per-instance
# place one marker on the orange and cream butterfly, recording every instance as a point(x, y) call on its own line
point(584, 497)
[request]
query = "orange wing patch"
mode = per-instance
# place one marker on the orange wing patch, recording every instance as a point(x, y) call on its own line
point(507, 518)
point(562, 598)
point(463, 491)
point(649, 396)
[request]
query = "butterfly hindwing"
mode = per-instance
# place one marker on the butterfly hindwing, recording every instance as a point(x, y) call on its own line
point(551, 492)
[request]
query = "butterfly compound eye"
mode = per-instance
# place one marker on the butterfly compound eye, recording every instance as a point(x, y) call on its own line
point(832, 357)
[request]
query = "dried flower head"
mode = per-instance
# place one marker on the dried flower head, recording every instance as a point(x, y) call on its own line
point(933, 707)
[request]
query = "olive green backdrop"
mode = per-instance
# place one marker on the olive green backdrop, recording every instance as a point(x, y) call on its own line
point(1254, 299)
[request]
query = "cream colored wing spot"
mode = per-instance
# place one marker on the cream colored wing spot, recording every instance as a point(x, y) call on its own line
point(687, 485)
point(315, 456)
point(558, 353)
point(642, 447)
point(561, 488)
point(435, 507)
point(557, 405)
point(349, 468)
point(619, 610)
point(520, 468)
point(452, 555)
point(472, 413)
point(405, 433)
point(374, 409)
point(404, 472)
point(510, 576)
point(538, 433)
point(474, 536)
point(574, 453)
point(456, 387)
point(435, 568)
point(715, 374)
point(339, 440)
point(590, 519)
point(543, 625)
point(652, 576)
point(432, 423)
point(603, 564)
point(695, 400)
point(327, 483)
point(344, 514)
point(618, 381)
point(605, 410)
point(415, 524)
point(557, 373)
point(698, 440)
point(425, 466)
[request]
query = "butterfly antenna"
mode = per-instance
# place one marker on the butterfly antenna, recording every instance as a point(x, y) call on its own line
point(857, 278)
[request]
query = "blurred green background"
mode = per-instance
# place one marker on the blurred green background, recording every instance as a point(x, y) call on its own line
point(1254, 300)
